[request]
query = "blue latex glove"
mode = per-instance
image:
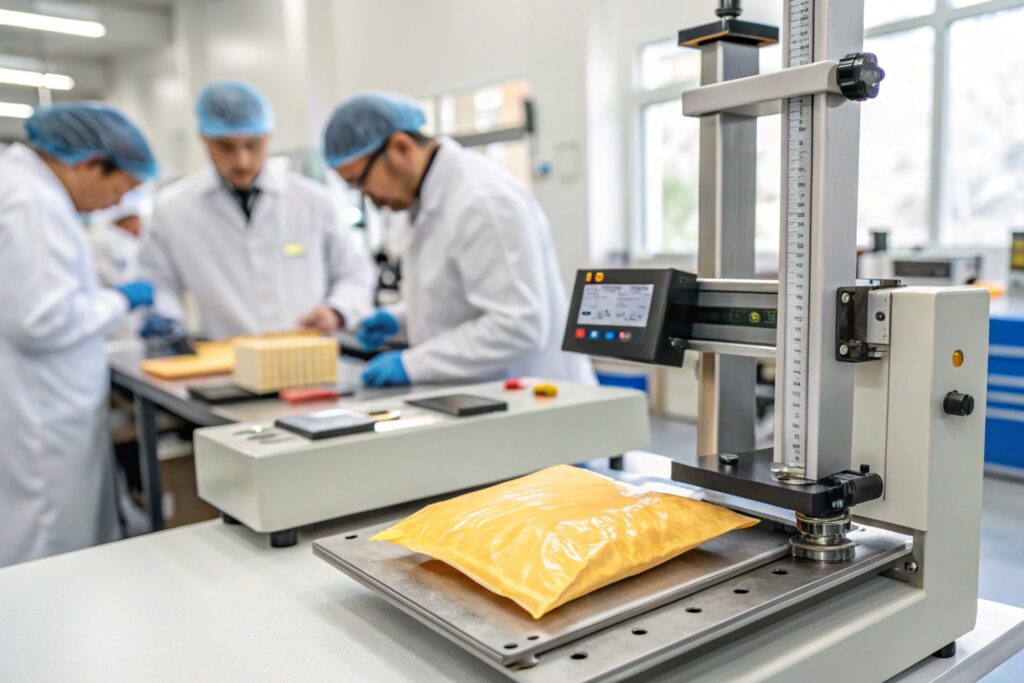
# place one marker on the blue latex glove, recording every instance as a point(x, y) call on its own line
point(159, 327)
point(386, 370)
point(138, 293)
point(376, 329)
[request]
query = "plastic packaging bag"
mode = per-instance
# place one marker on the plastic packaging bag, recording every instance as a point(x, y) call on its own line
point(560, 533)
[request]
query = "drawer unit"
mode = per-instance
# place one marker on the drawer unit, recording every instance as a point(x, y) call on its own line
point(1004, 424)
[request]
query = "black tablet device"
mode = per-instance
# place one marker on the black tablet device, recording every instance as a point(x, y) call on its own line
point(460, 405)
point(224, 393)
point(326, 424)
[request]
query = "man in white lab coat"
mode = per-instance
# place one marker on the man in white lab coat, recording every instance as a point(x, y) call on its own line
point(56, 488)
point(259, 247)
point(481, 293)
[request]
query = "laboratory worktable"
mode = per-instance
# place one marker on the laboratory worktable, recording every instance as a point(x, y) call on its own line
point(172, 395)
point(212, 602)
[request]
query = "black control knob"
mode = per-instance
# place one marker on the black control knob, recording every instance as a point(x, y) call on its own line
point(958, 404)
point(859, 76)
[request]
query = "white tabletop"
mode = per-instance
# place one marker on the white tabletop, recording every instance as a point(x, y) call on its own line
point(211, 602)
point(214, 602)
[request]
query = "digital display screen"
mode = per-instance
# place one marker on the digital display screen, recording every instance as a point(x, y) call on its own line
point(616, 305)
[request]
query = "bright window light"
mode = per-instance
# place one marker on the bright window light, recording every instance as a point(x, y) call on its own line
point(13, 110)
point(44, 22)
point(35, 79)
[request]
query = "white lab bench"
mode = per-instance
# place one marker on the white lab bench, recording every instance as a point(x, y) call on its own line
point(213, 602)
point(172, 396)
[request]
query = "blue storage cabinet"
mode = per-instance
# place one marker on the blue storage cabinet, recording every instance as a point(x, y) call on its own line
point(1004, 425)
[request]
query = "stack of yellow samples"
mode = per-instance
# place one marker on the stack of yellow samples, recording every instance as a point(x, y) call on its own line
point(210, 358)
point(267, 365)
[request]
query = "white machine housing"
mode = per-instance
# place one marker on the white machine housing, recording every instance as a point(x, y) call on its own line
point(274, 480)
point(932, 465)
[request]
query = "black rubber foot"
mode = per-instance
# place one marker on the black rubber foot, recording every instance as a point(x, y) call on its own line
point(228, 519)
point(284, 539)
point(945, 652)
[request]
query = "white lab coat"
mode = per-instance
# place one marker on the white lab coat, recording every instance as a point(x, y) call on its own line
point(56, 488)
point(294, 254)
point(115, 252)
point(482, 297)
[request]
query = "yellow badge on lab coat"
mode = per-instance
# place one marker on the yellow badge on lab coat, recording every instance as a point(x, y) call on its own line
point(294, 250)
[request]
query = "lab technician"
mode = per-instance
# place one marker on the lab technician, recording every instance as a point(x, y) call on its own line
point(56, 485)
point(481, 293)
point(260, 248)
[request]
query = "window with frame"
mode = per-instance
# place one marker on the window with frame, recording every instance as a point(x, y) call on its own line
point(493, 119)
point(941, 153)
point(669, 155)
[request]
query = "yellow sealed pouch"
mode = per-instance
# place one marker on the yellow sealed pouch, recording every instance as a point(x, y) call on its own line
point(560, 533)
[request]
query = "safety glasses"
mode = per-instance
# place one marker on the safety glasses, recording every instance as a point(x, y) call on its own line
point(360, 182)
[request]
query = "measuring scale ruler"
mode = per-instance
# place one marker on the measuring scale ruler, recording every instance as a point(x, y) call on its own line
point(797, 113)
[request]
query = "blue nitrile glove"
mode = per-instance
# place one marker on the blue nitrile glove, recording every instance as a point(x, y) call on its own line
point(159, 327)
point(165, 335)
point(386, 370)
point(138, 293)
point(376, 329)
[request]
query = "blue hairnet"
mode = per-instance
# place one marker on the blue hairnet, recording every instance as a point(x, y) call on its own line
point(227, 108)
point(73, 132)
point(361, 124)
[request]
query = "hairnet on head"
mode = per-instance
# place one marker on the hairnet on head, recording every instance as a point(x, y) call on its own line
point(227, 108)
point(73, 132)
point(362, 124)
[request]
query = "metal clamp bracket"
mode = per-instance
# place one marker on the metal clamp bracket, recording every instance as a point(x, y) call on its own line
point(862, 320)
point(855, 77)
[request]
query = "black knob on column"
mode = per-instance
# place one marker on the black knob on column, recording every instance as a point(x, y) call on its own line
point(958, 404)
point(859, 76)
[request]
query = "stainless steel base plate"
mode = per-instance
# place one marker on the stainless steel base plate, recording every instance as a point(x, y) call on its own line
point(498, 629)
point(704, 594)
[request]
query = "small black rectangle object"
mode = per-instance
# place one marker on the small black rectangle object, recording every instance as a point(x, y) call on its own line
point(326, 424)
point(224, 393)
point(460, 405)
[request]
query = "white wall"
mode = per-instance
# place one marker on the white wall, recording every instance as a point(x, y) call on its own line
point(423, 48)
point(148, 87)
point(428, 46)
point(264, 42)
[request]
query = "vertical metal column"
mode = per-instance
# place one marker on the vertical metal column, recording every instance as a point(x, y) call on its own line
point(824, 395)
point(726, 201)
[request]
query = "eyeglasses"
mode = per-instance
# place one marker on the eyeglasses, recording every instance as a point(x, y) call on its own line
point(361, 180)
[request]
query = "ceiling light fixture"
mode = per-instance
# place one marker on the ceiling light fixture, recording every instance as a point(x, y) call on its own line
point(45, 22)
point(13, 110)
point(36, 79)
